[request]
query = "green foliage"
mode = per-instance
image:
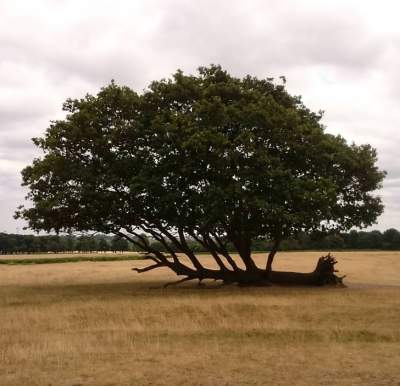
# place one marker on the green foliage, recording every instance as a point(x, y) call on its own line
point(119, 244)
point(211, 153)
point(103, 245)
point(391, 239)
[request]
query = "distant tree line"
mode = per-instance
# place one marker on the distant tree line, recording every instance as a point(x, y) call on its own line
point(15, 243)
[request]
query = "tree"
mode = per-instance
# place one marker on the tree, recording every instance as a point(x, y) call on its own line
point(119, 244)
point(334, 241)
point(82, 245)
point(69, 243)
point(103, 245)
point(208, 157)
point(352, 239)
point(391, 239)
point(375, 240)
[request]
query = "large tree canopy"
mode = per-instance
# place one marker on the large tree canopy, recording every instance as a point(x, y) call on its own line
point(209, 157)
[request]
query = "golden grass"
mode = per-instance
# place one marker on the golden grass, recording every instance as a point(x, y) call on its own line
point(102, 324)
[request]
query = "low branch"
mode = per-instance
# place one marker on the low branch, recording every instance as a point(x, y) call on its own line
point(156, 256)
point(149, 268)
point(133, 241)
point(162, 240)
point(178, 244)
point(224, 252)
point(221, 248)
point(188, 251)
point(211, 247)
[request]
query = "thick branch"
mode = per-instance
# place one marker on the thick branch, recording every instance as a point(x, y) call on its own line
point(177, 243)
point(176, 265)
point(221, 248)
point(162, 240)
point(211, 247)
point(133, 241)
point(271, 254)
point(243, 247)
point(156, 256)
point(143, 246)
point(213, 251)
point(188, 251)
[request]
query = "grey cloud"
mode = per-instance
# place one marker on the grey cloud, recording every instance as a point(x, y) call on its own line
point(269, 35)
point(335, 54)
point(11, 195)
point(246, 39)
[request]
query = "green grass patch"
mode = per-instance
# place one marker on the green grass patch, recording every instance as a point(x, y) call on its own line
point(74, 259)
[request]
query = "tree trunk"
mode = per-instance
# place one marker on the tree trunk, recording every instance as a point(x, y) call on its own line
point(324, 274)
point(243, 247)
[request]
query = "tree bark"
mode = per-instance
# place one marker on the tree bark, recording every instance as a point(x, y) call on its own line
point(271, 255)
point(324, 274)
point(243, 247)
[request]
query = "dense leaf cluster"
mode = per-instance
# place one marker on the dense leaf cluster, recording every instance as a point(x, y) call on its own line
point(211, 151)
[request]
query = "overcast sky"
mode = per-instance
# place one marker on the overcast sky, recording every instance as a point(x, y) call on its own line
point(341, 56)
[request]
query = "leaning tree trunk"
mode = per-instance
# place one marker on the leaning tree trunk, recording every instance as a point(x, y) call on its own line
point(228, 272)
point(323, 274)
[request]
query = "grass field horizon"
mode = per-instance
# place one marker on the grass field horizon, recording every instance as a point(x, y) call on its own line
point(99, 323)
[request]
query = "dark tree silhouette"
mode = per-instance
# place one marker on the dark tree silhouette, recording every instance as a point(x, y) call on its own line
point(119, 244)
point(210, 158)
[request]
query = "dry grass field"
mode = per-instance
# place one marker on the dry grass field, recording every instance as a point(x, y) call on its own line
point(102, 324)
